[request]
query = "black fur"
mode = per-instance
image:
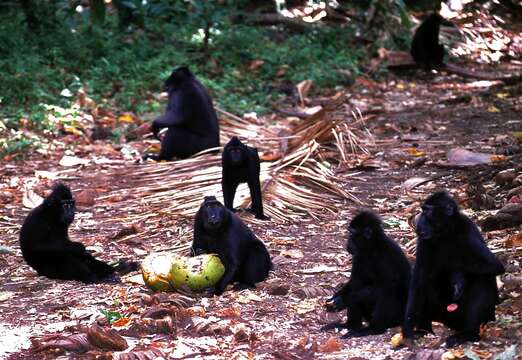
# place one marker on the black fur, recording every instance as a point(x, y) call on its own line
point(425, 48)
point(453, 265)
point(378, 286)
point(190, 118)
point(219, 231)
point(241, 164)
point(46, 247)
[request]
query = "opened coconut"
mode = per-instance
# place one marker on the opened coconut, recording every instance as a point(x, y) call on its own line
point(196, 273)
point(155, 270)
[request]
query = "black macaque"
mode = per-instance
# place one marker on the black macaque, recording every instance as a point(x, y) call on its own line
point(190, 118)
point(425, 48)
point(453, 280)
point(378, 288)
point(46, 247)
point(218, 230)
point(241, 164)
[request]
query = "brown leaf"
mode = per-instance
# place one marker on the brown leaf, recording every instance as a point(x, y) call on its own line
point(292, 253)
point(412, 183)
point(85, 198)
point(255, 64)
point(463, 157)
point(331, 345)
point(67, 161)
point(311, 292)
point(121, 322)
point(30, 198)
point(514, 240)
point(107, 339)
point(139, 328)
point(76, 343)
point(149, 354)
point(277, 289)
point(126, 231)
point(143, 129)
point(156, 312)
point(231, 312)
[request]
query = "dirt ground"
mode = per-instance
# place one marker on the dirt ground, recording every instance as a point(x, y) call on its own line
point(414, 120)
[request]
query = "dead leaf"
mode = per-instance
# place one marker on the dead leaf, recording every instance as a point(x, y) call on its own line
point(149, 354)
point(305, 306)
point(85, 198)
point(231, 312)
point(396, 340)
point(107, 339)
point(153, 148)
point(156, 312)
point(270, 156)
point(331, 345)
point(76, 343)
point(310, 292)
point(126, 231)
point(463, 157)
point(121, 322)
point(128, 117)
point(83, 100)
point(72, 161)
point(42, 174)
point(514, 240)
point(413, 182)
point(282, 70)
point(255, 64)
point(143, 129)
point(292, 253)
point(31, 199)
point(303, 88)
point(367, 83)
point(277, 289)
point(69, 129)
point(415, 152)
point(319, 269)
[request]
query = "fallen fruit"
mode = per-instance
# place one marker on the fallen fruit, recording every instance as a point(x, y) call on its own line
point(167, 272)
point(155, 270)
point(197, 273)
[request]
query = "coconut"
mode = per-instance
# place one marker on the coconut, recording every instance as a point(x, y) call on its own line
point(196, 273)
point(155, 270)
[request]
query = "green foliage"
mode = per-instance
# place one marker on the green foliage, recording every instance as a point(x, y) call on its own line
point(123, 67)
point(111, 316)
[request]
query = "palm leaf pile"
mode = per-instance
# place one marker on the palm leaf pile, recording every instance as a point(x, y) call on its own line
point(296, 171)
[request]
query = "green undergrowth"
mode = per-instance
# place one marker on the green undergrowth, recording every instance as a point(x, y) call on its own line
point(245, 67)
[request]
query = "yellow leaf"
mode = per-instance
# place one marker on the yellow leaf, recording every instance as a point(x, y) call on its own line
point(493, 109)
point(517, 134)
point(292, 253)
point(153, 148)
point(414, 152)
point(126, 117)
point(72, 130)
point(498, 158)
point(502, 95)
point(396, 340)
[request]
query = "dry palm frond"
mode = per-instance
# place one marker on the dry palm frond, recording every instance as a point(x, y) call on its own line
point(294, 183)
point(293, 186)
point(327, 126)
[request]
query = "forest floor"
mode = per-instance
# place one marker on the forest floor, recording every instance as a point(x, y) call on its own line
point(420, 118)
